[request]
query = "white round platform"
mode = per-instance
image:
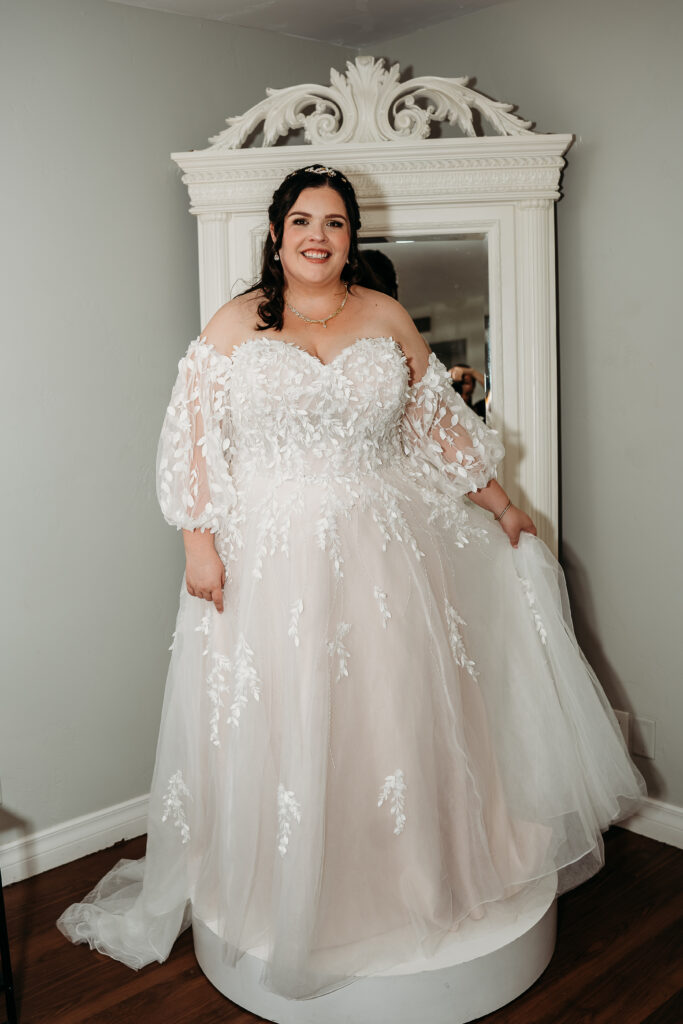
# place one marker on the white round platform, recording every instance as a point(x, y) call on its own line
point(483, 966)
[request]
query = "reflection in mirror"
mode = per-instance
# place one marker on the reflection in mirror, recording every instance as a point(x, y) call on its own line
point(443, 283)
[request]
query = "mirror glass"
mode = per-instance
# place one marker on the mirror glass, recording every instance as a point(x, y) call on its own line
point(442, 281)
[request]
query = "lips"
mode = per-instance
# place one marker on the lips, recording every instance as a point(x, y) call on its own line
point(316, 255)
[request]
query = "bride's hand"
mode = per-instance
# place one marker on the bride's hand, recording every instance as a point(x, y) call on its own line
point(515, 522)
point(205, 576)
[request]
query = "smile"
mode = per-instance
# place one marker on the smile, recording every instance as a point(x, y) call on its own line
point(316, 254)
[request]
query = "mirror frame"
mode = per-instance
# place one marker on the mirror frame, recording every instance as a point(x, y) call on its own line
point(368, 125)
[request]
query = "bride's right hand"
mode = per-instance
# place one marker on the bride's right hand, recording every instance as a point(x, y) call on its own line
point(204, 570)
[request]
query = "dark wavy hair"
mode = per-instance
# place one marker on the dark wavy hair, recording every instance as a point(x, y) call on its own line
point(272, 280)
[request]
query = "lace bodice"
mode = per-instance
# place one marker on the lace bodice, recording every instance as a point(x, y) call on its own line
point(272, 410)
point(295, 416)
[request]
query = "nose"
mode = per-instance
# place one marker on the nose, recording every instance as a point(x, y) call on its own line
point(317, 231)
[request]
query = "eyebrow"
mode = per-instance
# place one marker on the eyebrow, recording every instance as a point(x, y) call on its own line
point(328, 216)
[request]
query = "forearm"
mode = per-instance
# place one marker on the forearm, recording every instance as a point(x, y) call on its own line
point(198, 544)
point(492, 498)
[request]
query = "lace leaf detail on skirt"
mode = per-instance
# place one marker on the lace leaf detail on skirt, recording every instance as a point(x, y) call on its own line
point(456, 641)
point(173, 804)
point(216, 686)
point(381, 598)
point(247, 682)
point(395, 788)
point(339, 651)
point(204, 628)
point(294, 614)
point(288, 811)
point(531, 601)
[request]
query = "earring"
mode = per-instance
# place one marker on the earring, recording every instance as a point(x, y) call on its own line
point(276, 257)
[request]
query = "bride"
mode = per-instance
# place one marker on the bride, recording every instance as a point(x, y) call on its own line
point(377, 719)
point(310, 262)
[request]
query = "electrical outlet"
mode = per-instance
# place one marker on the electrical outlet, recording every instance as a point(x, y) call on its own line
point(624, 720)
point(643, 737)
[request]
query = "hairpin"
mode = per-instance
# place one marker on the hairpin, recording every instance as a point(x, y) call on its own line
point(319, 169)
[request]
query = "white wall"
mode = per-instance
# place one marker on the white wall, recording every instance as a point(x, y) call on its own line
point(100, 298)
point(609, 71)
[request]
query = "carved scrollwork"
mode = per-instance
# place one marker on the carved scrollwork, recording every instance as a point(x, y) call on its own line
point(368, 104)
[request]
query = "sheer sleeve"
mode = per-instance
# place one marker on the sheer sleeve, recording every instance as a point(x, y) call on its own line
point(194, 486)
point(444, 436)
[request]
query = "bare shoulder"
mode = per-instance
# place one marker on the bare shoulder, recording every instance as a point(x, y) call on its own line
point(391, 319)
point(232, 323)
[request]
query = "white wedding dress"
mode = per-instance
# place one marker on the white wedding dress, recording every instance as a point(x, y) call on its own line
point(391, 724)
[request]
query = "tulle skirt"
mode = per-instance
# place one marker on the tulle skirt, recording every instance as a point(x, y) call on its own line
point(383, 732)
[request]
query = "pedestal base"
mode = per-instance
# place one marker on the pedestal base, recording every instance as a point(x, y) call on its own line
point(481, 967)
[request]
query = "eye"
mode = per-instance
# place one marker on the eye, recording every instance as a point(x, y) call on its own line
point(336, 223)
point(299, 220)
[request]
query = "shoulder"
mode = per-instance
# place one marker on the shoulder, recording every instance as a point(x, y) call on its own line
point(229, 324)
point(396, 322)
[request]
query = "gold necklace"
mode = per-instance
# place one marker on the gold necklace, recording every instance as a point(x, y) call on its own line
point(312, 320)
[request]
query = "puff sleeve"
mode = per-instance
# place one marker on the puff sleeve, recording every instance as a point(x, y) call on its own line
point(444, 438)
point(194, 486)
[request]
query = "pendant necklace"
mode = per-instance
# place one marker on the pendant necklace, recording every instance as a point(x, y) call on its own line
point(323, 321)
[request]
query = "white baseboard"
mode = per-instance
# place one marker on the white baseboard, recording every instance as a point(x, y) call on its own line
point(658, 820)
point(63, 843)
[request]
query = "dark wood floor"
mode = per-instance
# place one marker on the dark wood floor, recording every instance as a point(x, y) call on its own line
point(619, 956)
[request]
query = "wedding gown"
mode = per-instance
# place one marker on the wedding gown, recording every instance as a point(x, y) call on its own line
point(391, 724)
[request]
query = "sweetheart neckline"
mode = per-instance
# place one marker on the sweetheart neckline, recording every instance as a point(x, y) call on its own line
point(314, 358)
point(432, 360)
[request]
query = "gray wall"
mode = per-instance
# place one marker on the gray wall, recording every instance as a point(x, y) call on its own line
point(609, 71)
point(100, 298)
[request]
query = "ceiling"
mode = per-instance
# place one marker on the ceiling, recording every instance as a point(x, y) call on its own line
point(355, 23)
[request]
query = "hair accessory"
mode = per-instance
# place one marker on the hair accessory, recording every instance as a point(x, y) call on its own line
point(320, 169)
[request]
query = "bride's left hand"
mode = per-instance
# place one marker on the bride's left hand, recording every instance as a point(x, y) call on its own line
point(515, 522)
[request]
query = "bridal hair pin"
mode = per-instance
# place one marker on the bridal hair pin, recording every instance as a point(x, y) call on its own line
point(320, 169)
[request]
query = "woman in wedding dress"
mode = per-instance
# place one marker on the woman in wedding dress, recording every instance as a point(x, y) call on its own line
point(377, 719)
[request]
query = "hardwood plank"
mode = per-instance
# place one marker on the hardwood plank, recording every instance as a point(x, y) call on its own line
point(619, 955)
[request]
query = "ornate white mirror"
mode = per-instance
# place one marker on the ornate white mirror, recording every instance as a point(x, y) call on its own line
point(467, 221)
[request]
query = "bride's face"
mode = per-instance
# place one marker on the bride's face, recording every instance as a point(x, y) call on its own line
point(316, 237)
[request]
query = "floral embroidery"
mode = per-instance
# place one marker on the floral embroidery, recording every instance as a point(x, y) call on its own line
point(531, 600)
point(247, 682)
point(194, 486)
point(274, 516)
point(204, 627)
point(288, 811)
point(390, 519)
point(272, 412)
point(294, 613)
point(173, 804)
point(395, 787)
point(444, 439)
point(217, 685)
point(339, 651)
point(456, 641)
point(237, 674)
point(381, 599)
point(327, 530)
